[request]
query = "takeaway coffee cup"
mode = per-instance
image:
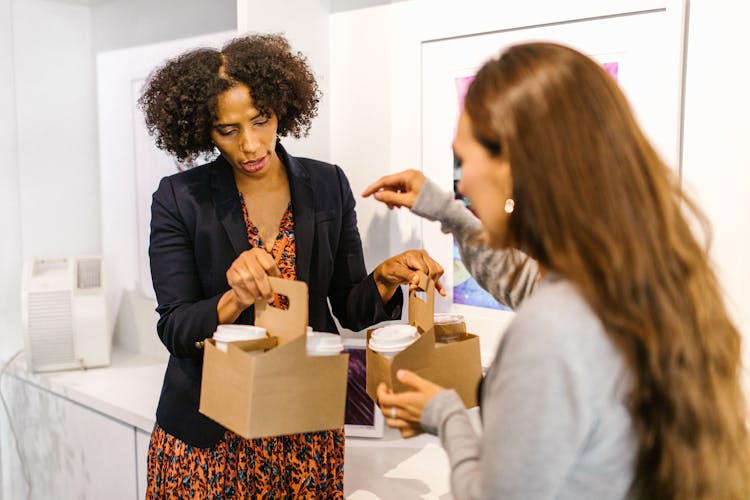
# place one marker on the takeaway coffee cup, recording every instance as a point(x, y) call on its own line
point(392, 339)
point(235, 333)
point(448, 327)
point(323, 344)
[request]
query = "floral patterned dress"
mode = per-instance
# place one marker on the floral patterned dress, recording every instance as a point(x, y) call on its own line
point(307, 465)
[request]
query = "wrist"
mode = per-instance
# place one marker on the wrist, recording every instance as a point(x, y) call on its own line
point(386, 288)
point(229, 307)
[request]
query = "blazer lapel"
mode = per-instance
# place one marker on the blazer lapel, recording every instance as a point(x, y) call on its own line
point(303, 208)
point(228, 206)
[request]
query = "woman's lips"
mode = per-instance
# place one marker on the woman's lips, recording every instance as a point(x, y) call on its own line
point(254, 166)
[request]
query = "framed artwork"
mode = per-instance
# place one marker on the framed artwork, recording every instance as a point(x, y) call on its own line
point(363, 418)
point(641, 50)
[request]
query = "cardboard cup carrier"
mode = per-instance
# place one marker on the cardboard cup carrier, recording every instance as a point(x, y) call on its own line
point(455, 365)
point(280, 390)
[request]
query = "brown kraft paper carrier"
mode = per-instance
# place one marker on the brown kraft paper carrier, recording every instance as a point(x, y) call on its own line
point(456, 365)
point(279, 391)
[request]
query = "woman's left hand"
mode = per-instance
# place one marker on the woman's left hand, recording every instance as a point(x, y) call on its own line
point(402, 268)
point(403, 410)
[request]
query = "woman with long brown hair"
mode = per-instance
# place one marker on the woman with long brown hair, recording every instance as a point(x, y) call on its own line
point(620, 374)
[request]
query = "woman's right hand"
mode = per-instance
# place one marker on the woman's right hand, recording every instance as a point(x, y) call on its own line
point(248, 276)
point(248, 279)
point(397, 190)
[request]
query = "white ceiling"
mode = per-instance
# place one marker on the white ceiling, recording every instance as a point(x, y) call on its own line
point(84, 2)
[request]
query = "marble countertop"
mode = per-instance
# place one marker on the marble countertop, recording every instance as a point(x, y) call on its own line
point(128, 391)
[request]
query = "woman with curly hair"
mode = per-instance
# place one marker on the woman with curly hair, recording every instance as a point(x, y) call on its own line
point(619, 376)
point(219, 230)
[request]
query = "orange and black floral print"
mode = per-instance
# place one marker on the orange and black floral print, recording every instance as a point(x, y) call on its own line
point(309, 466)
point(283, 250)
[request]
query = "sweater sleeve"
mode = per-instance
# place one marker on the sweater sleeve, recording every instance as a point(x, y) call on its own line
point(446, 416)
point(509, 275)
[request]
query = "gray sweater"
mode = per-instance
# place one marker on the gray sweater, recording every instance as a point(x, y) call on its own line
point(554, 419)
point(493, 269)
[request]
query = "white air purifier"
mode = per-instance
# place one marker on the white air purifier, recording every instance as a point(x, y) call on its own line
point(64, 314)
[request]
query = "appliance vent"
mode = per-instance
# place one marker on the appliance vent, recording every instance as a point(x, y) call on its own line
point(89, 273)
point(50, 328)
point(44, 266)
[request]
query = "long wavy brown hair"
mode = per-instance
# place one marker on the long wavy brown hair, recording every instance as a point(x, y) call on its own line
point(595, 204)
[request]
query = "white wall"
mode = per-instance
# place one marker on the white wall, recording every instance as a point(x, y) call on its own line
point(305, 23)
point(10, 243)
point(128, 23)
point(716, 164)
point(57, 166)
point(360, 104)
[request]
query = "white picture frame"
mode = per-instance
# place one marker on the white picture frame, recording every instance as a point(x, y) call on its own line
point(646, 40)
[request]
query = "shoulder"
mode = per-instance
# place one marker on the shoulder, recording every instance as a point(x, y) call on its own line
point(320, 171)
point(328, 181)
point(193, 176)
point(557, 322)
point(193, 182)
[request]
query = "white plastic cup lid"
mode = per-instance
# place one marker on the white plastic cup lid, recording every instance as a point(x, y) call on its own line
point(234, 333)
point(394, 335)
point(447, 318)
point(324, 343)
point(390, 350)
point(324, 339)
point(392, 339)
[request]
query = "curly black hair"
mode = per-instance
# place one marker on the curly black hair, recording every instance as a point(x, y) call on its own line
point(179, 99)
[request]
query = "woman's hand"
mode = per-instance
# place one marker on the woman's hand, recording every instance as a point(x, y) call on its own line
point(397, 190)
point(248, 279)
point(403, 411)
point(402, 269)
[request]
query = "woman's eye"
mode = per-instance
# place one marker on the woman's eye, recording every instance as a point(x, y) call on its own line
point(261, 122)
point(225, 132)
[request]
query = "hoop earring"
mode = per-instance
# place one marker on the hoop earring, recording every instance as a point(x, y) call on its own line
point(510, 205)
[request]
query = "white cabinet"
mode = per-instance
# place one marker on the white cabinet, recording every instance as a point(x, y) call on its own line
point(66, 450)
point(141, 457)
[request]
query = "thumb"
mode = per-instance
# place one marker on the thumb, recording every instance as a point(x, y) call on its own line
point(412, 379)
point(395, 198)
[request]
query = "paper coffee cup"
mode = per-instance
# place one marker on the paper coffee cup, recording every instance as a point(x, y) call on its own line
point(392, 339)
point(448, 327)
point(236, 333)
point(323, 344)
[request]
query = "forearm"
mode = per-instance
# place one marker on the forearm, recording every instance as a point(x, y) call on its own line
point(229, 308)
point(360, 306)
point(182, 327)
point(510, 276)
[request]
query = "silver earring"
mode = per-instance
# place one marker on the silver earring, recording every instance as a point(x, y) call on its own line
point(510, 205)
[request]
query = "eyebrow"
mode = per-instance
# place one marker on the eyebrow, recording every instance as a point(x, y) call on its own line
point(219, 125)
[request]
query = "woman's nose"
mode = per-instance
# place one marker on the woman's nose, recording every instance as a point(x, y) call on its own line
point(249, 142)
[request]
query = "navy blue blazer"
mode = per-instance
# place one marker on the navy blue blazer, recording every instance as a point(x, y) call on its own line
point(197, 231)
